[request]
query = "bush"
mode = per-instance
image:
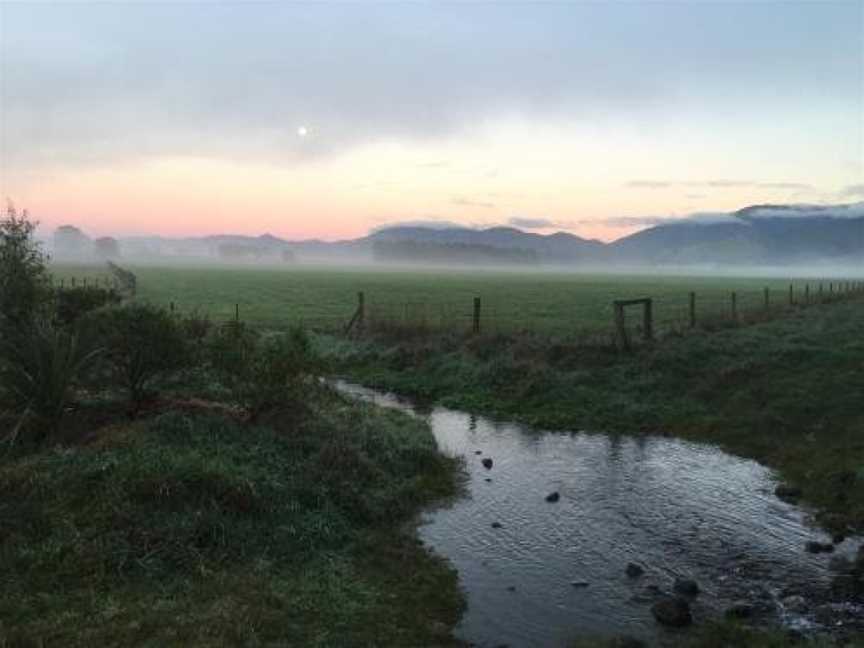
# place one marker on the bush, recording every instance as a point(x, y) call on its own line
point(267, 375)
point(70, 304)
point(142, 344)
point(38, 371)
point(24, 285)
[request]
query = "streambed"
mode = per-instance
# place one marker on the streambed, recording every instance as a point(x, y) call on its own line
point(540, 573)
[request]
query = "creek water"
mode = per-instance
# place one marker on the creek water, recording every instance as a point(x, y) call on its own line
point(555, 571)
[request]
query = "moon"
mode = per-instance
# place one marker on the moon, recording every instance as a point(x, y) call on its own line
point(302, 131)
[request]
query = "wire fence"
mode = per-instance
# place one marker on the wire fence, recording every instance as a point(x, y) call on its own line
point(589, 317)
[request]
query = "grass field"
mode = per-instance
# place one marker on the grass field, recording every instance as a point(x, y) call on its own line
point(566, 304)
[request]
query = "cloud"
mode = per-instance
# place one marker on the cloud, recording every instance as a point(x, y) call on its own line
point(90, 83)
point(462, 201)
point(532, 223)
point(853, 190)
point(803, 186)
point(851, 210)
point(718, 184)
point(649, 184)
point(632, 221)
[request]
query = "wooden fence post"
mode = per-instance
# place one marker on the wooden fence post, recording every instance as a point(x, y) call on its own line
point(73, 282)
point(171, 307)
point(648, 320)
point(692, 310)
point(476, 319)
point(620, 327)
point(734, 306)
point(767, 298)
point(821, 294)
point(791, 295)
point(237, 313)
point(807, 294)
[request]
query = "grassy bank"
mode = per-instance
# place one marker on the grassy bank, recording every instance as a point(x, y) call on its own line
point(187, 527)
point(785, 392)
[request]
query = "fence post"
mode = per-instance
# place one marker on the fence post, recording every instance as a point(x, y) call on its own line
point(791, 295)
point(361, 309)
point(821, 297)
point(692, 310)
point(171, 306)
point(767, 298)
point(620, 327)
point(476, 320)
point(648, 320)
point(61, 282)
point(807, 294)
point(237, 313)
point(734, 306)
point(73, 282)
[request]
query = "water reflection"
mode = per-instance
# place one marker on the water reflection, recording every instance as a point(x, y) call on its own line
point(679, 509)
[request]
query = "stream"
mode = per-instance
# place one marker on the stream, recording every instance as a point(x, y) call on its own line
point(555, 571)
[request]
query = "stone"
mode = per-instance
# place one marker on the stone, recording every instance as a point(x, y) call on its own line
point(497, 525)
point(553, 497)
point(487, 463)
point(634, 571)
point(794, 603)
point(579, 583)
point(686, 586)
point(672, 611)
point(787, 492)
point(818, 547)
point(478, 452)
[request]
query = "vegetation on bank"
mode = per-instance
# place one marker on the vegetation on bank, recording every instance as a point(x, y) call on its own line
point(170, 482)
point(785, 392)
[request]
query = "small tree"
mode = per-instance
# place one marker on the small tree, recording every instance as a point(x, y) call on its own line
point(24, 283)
point(142, 344)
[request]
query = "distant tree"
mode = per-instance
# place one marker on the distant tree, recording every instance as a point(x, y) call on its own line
point(72, 244)
point(24, 281)
point(240, 251)
point(106, 248)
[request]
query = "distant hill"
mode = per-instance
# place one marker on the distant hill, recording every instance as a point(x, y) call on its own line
point(553, 248)
point(754, 235)
point(759, 234)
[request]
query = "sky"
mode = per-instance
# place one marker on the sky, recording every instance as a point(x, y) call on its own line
point(326, 120)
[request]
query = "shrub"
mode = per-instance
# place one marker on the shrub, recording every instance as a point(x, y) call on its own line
point(73, 303)
point(267, 375)
point(24, 285)
point(38, 371)
point(142, 344)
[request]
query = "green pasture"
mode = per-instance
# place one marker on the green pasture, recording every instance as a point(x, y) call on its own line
point(556, 303)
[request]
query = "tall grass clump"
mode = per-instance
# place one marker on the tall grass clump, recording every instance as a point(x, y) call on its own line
point(39, 369)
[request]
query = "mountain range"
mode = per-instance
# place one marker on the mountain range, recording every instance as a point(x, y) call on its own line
point(755, 235)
